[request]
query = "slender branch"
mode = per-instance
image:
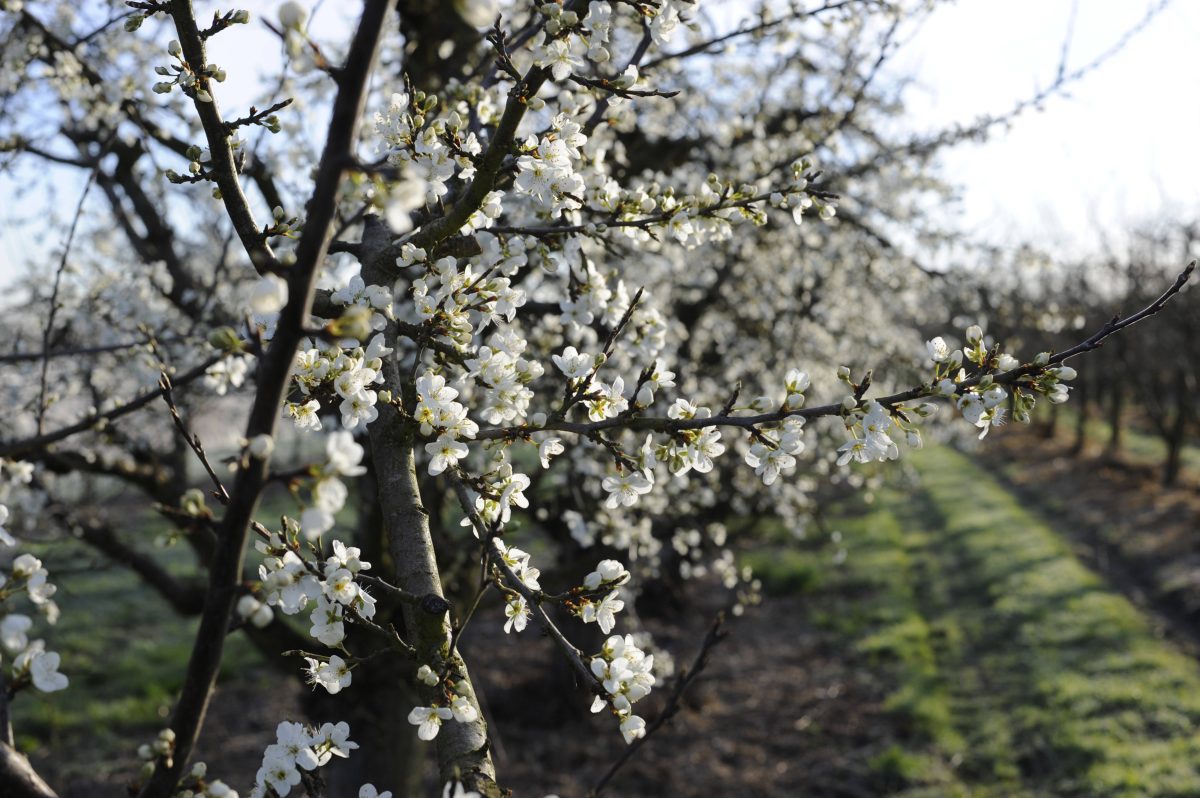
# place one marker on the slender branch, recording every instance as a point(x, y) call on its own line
point(6, 729)
point(748, 31)
point(601, 107)
point(18, 779)
point(472, 198)
point(683, 681)
point(58, 275)
point(255, 116)
point(390, 589)
point(225, 572)
point(79, 351)
point(193, 441)
point(662, 424)
point(223, 168)
point(96, 419)
point(532, 598)
point(643, 222)
point(457, 629)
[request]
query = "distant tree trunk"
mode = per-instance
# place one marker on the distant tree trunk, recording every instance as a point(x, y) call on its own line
point(1116, 407)
point(1176, 432)
point(1083, 394)
point(1050, 427)
point(389, 754)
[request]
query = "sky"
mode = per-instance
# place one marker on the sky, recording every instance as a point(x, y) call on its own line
point(1117, 150)
point(1121, 148)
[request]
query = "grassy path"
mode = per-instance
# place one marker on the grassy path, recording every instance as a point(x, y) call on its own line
point(1017, 671)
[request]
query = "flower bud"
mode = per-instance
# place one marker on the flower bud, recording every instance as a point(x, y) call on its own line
point(260, 447)
point(292, 15)
point(225, 339)
point(1064, 373)
point(355, 323)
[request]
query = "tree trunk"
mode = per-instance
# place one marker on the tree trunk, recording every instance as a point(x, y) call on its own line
point(1050, 427)
point(462, 748)
point(1116, 406)
point(1083, 394)
point(1176, 432)
point(389, 754)
point(377, 704)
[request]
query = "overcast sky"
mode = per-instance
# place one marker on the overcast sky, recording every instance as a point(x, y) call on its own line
point(1120, 148)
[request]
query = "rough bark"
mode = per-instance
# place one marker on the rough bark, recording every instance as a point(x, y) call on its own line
point(18, 779)
point(462, 748)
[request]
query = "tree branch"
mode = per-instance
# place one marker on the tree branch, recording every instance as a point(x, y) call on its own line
point(223, 170)
point(683, 681)
point(663, 424)
point(38, 441)
point(225, 572)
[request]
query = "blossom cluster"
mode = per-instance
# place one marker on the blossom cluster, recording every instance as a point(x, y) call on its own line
point(31, 662)
point(516, 608)
point(981, 401)
point(546, 171)
point(626, 674)
point(599, 603)
point(335, 373)
point(438, 411)
point(429, 151)
point(290, 583)
point(299, 747)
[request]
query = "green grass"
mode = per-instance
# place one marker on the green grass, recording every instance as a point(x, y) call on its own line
point(1009, 668)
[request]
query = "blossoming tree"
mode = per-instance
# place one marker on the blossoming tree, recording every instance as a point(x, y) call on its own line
point(544, 275)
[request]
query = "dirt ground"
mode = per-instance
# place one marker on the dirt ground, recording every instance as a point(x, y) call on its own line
point(777, 712)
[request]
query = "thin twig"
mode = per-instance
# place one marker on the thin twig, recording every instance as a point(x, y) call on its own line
point(58, 274)
point(193, 441)
point(532, 598)
point(80, 351)
point(683, 680)
point(95, 419)
point(662, 424)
